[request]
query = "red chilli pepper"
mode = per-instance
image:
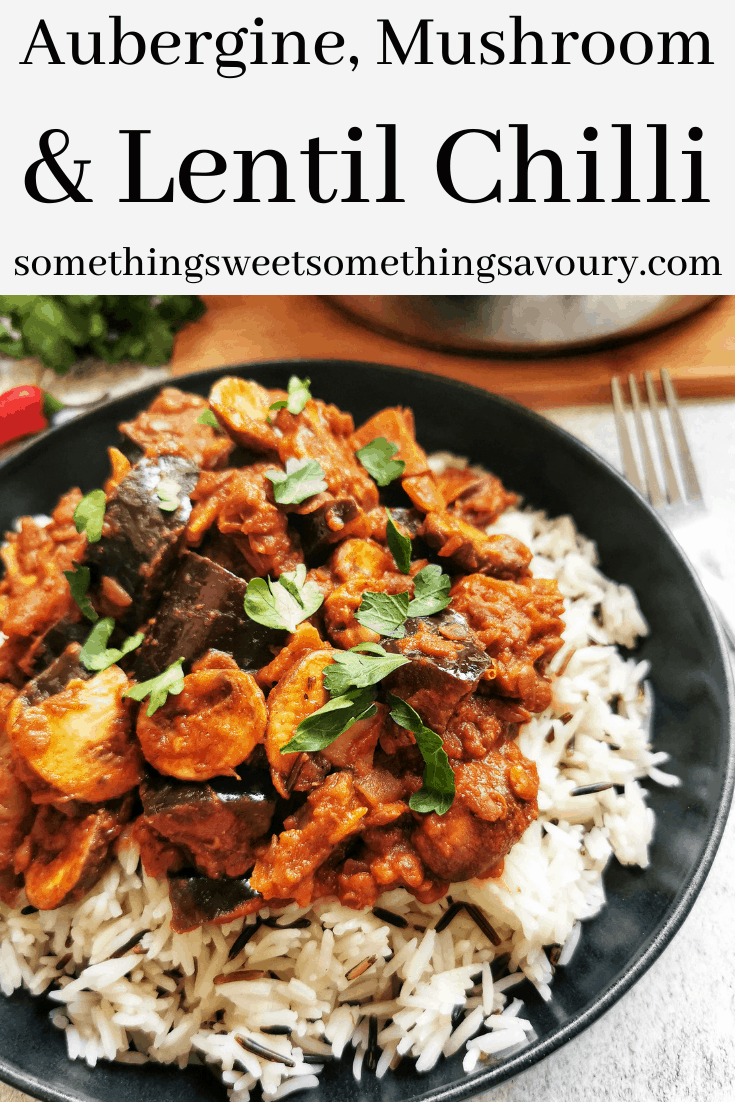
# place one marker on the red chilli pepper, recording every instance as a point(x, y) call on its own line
point(21, 412)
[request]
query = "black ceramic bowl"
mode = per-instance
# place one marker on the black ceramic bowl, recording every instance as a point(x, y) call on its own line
point(689, 678)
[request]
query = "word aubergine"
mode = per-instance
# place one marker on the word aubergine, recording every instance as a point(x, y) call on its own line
point(234, 50)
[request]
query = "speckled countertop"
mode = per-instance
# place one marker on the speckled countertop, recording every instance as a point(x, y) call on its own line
point(672, 1037)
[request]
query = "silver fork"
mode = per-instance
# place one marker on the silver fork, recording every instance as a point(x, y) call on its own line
point(681, 506)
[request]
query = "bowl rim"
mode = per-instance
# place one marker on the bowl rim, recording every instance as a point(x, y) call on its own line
point(472, 1083)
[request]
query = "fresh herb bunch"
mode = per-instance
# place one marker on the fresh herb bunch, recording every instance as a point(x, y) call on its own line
point(61, 329)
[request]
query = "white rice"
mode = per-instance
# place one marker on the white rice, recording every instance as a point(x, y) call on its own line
point(159, 1002)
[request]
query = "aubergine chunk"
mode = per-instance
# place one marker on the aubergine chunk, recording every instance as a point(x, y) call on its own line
point(446, 662)
point(324, 527)
point(64, 668)
point(203, 610)
point(140, 539)
point(56, 640)
point(211, 826)
point(197, 900)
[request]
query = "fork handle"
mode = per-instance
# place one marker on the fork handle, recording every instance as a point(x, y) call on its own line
point(698, 541)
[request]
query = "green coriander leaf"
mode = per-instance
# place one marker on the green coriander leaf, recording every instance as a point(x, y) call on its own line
point(302, 478)
point(61, 329)
point(293, 582)
point(95, 655)
point(206, 417)
point(277, 405)
point(376, 458)
point(383, 612)
point(89, 514)
point(168, 495)
point(298, 396)
point(437, 792)
point(130, 644)
point(79, 584)
point(400, 546)
point(285, 602)
point(323, 727)
point(369, 648)
point(352, 670)
point(50, 405)
point(260, 603)
point(171, 681)
point(431, 591)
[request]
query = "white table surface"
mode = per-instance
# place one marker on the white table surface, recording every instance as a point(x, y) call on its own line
point(672, 1037)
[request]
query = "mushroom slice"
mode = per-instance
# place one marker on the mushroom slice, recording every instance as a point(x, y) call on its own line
point(296, 696)
point(242, 408)
point(213, 725)
point(70, 854)
point(79, 740)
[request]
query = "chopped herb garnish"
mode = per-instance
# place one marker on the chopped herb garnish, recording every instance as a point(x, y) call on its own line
point(437, 792)
point(168, 495)
point(322, 727)
point(431, 591)
point(283, 603)
point(298, 396)
point(376, 458)
point(383, 612)
point(79, 584)
point(353, 670)
point(206, 417)
point(170, 682)
point(400, 546)
point(90, 513)
point(95, 655)
point(302, 478)
point(50, 405)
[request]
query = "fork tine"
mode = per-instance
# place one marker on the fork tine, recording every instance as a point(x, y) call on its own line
point(655, 494)
point(672, 483)
point(691, 482)
point(630, 467)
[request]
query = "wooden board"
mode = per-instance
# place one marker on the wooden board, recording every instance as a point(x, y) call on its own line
point(699, 351)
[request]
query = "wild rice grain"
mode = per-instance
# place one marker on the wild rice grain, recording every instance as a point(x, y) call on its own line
point(450, 914)
point(360, 969)
point(391, 918)
point(238, 977)
point(371, 1056)
point(243, 938)
point(131, 944)
point(264, 1053)
point(480, 920)
point(590, 789)
point(297, 924)
point(312, 1057)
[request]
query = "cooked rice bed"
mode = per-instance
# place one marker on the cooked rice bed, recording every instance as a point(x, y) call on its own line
point(432, 992)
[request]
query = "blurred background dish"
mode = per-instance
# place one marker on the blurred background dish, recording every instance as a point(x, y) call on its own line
point(525, 325)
